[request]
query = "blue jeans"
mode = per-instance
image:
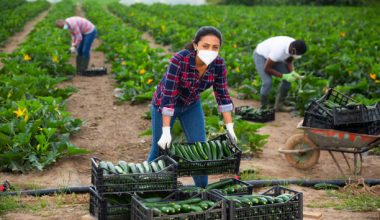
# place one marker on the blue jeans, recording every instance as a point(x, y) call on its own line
point(85, 45)
point(266, 78)
point(193, 125)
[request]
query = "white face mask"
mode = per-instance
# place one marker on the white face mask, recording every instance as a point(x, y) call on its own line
point(296, 57)
point(207, 56)
point(65, 27)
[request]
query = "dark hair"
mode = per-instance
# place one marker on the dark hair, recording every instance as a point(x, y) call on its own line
point(300, 46)
point(204, 31)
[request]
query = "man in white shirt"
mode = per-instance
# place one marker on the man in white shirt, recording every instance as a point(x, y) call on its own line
point(274, 57)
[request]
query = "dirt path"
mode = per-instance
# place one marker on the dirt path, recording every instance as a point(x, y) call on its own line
point(110, 131)
point(18, 38)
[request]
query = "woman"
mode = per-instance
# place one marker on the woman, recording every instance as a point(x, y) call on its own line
point(190, 72)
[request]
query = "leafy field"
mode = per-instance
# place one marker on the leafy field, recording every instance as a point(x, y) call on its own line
point(14, 14)
point(34, 126)
point(342, 41)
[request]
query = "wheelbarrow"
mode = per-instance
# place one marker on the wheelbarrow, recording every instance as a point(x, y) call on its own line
point(302, 150)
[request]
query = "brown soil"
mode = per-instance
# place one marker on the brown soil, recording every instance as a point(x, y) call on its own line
point(112, 132)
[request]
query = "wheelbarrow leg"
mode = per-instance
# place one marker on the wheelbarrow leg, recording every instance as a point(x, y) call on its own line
point(336, 163)
point(348, 164)
point(358, 162)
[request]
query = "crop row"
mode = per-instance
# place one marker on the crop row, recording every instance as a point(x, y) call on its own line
point(34, 126)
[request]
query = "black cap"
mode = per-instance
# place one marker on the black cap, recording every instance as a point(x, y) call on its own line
point(300, 46)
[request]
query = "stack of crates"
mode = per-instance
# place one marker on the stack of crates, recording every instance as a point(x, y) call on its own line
point(340, 112)
point(111, 193)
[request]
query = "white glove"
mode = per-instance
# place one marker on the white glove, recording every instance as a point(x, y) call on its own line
point(73, 50)
point(166, 138)
point(231, 133)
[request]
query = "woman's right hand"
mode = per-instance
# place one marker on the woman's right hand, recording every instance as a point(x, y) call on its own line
point(166, 138)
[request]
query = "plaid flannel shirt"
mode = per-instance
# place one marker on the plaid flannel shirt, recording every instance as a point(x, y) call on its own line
point(181, 84)
point(78, 27)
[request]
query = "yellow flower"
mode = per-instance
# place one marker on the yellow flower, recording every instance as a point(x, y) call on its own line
point(325, 90)
point(237, 69)
point(234, 45)
point(38, 147)
point(55, 59)
point(149, 81)
point(342, 34)
point(373, 76)
point(142, 71)
point(145, 48)
point(19, 112)
point(124, 63)
point(27, 57)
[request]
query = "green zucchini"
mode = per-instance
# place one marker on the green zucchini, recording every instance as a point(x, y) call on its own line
point(178, 152)
point(194, 150)
point(133, 168)
point(201, 152)
point(111, 167)
point(104, 167)
point(207, 150)
point(124, 166)
point(119, 170)
point(219, 149)
point(165, 209)
point(189, 201)
point(226, 149)
point(278, 200)
point(213, 151)
point(140, 168)
point(185, 208)
point(195, 208)
point(155, 167)
point(210, 203)
point(203, 205)
point(176, 207)
point(147, 167)
point(161, 163)
point(184, 152)
point(172, 149)
point(220, 184)
point(188, 150)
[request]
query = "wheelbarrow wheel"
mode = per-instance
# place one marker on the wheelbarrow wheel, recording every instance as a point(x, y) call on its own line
point(301, 160)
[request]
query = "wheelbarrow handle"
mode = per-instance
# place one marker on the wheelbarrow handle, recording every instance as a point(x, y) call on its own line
point(281, 150)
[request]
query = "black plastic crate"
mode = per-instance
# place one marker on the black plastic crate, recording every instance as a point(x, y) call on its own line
point(247, 189)
point(336, 97)
point(317, 121)
point(100, 71)
point(118, 183)
point(373, 114)
point(357, 114)
point(117, 207)
point(374, 128)
point(217, 212)
point(265, 115)
point(290, 210)
point(209, 167)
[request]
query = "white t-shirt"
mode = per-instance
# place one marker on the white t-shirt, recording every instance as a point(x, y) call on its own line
point(275, 48)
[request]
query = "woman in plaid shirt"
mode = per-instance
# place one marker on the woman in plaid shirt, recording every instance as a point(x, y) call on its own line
point(190, 72)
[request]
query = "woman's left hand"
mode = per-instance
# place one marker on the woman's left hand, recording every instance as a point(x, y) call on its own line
point(231, 133)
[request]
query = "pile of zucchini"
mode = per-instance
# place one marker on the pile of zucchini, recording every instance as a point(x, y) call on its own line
point(211, 150)
point(131, 168)
point(228, 186)
point(177, 207)
point(254, 200)
point(251, 112)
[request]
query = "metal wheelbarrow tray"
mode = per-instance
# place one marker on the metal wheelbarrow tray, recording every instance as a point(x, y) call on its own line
point(302, 150)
